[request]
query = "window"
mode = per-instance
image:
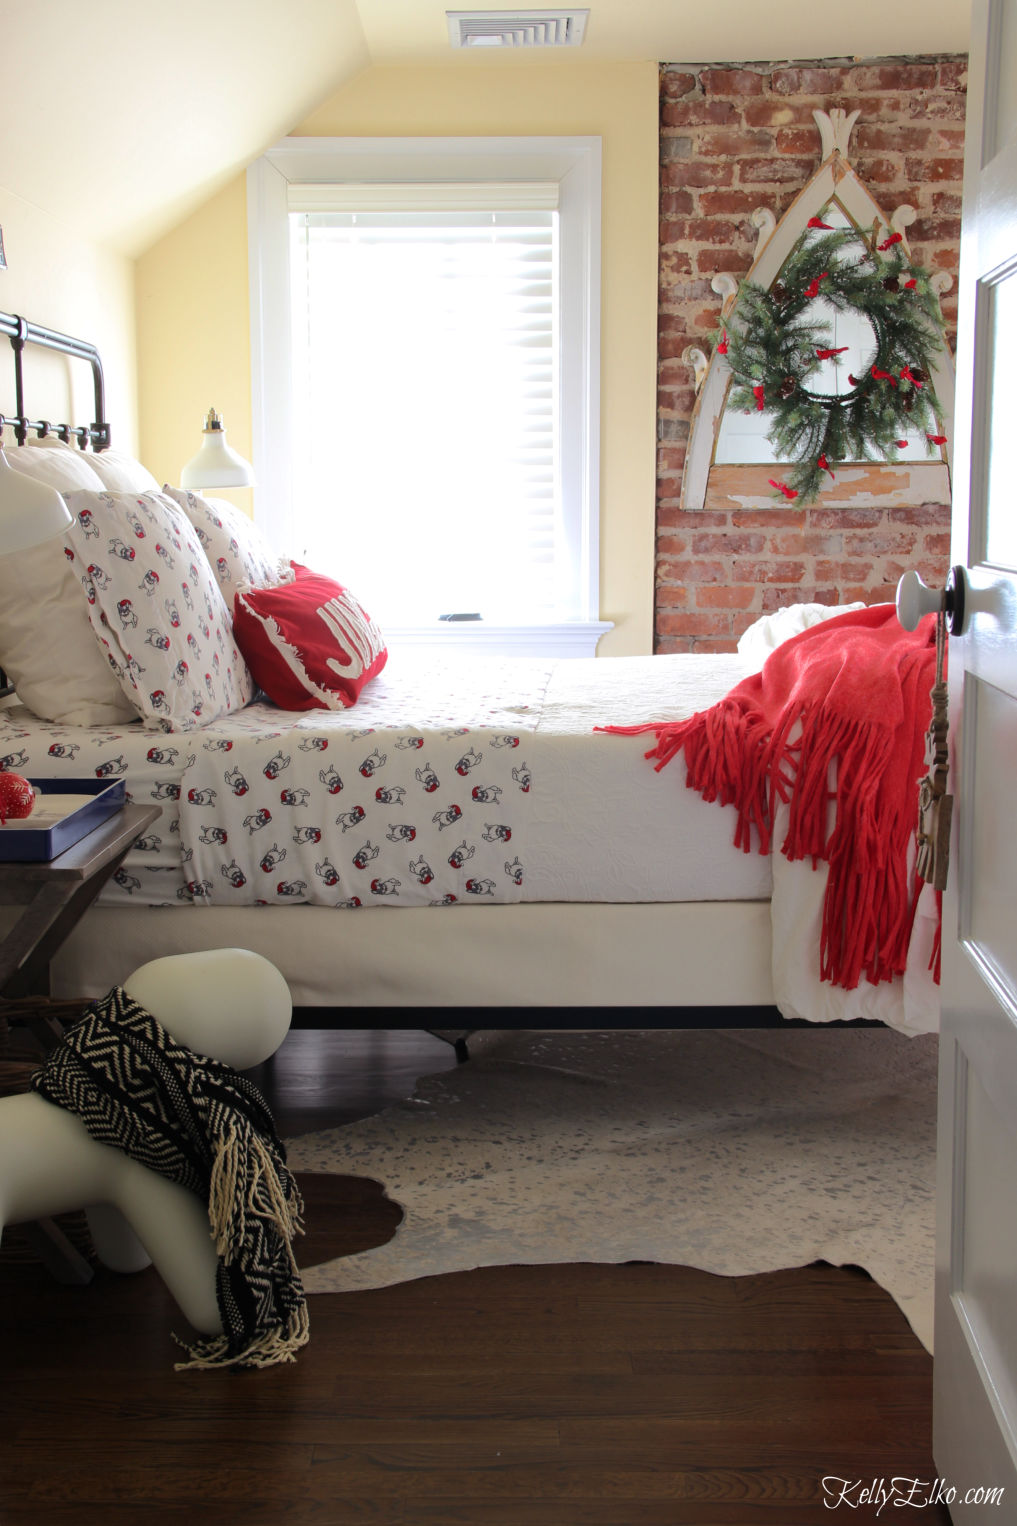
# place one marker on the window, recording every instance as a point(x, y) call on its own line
point(425, 366)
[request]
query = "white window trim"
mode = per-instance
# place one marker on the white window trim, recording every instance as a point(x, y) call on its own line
point(575, 164)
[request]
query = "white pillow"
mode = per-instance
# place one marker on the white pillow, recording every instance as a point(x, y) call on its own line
point(156, 610)
point(756, 643)
point(47, 647)
point(237, 550)
point(65, 468)
point(120, 473)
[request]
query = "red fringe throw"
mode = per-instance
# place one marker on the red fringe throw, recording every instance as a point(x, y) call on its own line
point(834, 726)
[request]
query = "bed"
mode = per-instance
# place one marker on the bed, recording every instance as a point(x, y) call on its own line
point(462, 839)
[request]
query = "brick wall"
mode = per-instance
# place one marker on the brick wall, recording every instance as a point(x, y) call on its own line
point(733, 139)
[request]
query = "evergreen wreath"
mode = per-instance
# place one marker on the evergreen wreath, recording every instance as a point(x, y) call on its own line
point(774, 346)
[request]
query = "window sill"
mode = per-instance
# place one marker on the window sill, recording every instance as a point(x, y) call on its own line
point(572, 638)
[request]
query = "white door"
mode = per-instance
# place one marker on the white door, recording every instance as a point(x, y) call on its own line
point(975, 1405)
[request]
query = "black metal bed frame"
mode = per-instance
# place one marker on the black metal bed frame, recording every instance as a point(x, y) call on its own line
point(97, 434)
point(21, 333)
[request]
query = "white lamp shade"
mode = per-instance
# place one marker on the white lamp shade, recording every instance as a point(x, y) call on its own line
point(30, 512)
point(216, 464)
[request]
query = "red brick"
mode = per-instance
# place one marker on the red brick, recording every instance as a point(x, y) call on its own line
point(802, 543)
point(728, 203)
point(708, 230)
point(798, 140)
point(879, 171)
point(733, 144)
point(693, 572)
point(671, 545)
point(924, 229)
point(726, 544)
point(686, 623)
point(767, 518)
point(953, 74)
point(711, 261)
point(892, 138)
point(677, 204)
point(738, 82)
point(672, 596)
point(767, 572)
point(875, 543)
point(726, 598)
point(696, 172)
point(938, 168)
point(814, 80)
point(934, 108)
point(938, 545)
point(844, 519)
point(675, 85)
point(768, 112)
point(837, 572)
point(923, 514)
point(700, 113)
point(714, 647)
point(700, 519)
point(779, 598)
point(896, 76)
point(776, 171)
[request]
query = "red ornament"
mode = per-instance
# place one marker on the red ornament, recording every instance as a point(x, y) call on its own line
point(812, 290)
point(908, 375)
point(825, 354)
point(824, 465)
point(910, 285)
point(722, 347)
point(17, 797)
point(782, 487)
point(879, 375)
point(900, 444)
point(817, 222)
point(757, 393)
point(888, 243)
point(853, 380)
point(937, 439)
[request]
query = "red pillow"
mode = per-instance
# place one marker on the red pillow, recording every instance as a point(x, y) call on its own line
point(308, 643)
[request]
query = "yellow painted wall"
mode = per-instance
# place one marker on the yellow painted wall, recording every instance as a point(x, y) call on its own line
point(193, 338)
point(60, 281)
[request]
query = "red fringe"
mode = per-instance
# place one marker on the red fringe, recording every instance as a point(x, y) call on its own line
point(810, 754)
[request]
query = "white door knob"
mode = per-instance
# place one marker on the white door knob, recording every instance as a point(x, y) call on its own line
point(915, 599)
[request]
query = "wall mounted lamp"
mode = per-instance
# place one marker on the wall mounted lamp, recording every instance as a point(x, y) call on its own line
point(216, 464)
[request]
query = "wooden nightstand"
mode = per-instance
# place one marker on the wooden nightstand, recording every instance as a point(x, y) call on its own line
point(55, 895)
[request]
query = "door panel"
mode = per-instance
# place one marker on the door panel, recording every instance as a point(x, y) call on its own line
point(975, 1370)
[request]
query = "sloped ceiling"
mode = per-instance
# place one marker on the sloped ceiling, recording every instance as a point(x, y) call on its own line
point(120, 116)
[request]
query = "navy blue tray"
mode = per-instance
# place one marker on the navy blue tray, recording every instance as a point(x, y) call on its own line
point(25, 844)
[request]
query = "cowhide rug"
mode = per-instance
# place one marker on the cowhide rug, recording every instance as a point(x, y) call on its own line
point(730, 1151)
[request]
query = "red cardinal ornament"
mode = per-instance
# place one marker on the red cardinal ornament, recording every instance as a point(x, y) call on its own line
point(17, 797)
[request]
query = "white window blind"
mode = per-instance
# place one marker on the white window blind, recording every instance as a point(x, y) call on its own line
point(426, 357)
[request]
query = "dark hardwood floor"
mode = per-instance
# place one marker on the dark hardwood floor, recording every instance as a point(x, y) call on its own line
point(635, 1395)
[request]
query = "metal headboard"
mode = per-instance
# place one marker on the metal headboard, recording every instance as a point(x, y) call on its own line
point(97, 434)
point(20, 332)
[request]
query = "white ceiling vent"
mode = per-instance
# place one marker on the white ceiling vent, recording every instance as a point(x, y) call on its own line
point(516, 29)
